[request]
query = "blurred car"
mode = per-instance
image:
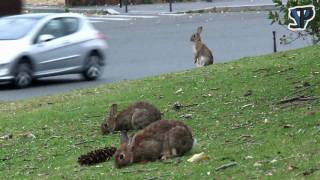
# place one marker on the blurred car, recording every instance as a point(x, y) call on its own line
point(42, 45)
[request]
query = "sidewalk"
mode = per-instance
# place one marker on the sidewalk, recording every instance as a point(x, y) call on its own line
point(183, 7)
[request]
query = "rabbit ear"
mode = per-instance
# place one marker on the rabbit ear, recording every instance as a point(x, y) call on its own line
point(113, 110)
point(199, 30)
point(124, 139)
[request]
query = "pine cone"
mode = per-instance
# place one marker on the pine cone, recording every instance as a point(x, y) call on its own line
point(97, 156)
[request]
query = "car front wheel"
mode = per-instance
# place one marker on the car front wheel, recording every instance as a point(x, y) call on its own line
point(23, 76)
point(92, 70)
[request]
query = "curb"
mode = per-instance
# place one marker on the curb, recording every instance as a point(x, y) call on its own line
point(267, 7)
point(103, 10)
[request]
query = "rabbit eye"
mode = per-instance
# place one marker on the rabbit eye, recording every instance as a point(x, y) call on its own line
point(122, 156)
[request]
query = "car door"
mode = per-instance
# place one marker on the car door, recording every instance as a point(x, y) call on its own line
point(56, 55)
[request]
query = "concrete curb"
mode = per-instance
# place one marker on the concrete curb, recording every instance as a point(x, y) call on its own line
point(103, 10)
point(217, 9)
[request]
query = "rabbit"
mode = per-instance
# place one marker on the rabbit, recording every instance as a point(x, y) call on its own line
point(202, 54)
point(160, 140)
point(134, 117)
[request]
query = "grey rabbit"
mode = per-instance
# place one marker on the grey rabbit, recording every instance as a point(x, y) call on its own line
point(160, 140)
point(202, 54)
point(134, 117)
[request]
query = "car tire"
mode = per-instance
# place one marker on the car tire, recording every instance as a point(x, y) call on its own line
point(92, 68)
point(23, 75)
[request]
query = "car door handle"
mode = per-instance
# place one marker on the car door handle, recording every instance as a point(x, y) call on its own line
point(66, 42)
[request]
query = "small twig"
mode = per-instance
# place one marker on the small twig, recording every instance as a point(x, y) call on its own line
point(247, 105)
point(83, 142)
point(297, 98)
point(93, 116)
point(190, 105)
point(225, 166)
point(157, 177)
point(140, 170)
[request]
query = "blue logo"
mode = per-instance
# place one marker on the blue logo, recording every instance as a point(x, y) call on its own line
point(301, 16)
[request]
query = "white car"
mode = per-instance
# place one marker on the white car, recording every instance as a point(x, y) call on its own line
point(42, 45)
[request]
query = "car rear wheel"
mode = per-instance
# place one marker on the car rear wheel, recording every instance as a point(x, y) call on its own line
point(23, 76)
point(92, 70)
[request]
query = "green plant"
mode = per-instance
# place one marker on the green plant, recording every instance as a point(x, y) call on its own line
point(66, 9)
point(282, 18)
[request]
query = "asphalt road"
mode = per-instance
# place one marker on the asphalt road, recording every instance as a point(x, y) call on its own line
point(151, 45)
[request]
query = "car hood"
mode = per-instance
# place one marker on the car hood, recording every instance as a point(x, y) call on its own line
point(11, 49)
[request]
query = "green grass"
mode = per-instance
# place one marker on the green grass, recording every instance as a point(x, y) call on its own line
point(228, 125)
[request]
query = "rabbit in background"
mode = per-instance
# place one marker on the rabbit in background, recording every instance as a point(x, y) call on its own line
point(134, 117)
point(160, 140)
point(202, 54)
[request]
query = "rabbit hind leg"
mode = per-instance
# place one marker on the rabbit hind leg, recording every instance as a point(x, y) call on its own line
point(139, 118)
point(179, 141)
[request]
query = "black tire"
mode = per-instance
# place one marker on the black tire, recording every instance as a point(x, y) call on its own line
point(23, 75)
point(92, 68)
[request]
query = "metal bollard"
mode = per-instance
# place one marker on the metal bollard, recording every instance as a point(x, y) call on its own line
point(126, 6)
point(274, 41)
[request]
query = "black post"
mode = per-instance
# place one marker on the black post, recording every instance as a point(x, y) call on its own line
point(126, 6)
point(274, 41)
point(120, 3)
point(170, 5)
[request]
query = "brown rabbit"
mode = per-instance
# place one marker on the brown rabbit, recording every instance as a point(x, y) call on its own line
point(136, 116)
point(202, 54)
point(160, 140)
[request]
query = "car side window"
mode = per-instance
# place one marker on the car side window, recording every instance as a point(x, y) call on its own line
point(71, 25)
point(54, 27)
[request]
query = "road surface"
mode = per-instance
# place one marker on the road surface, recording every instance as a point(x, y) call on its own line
point(148, 45)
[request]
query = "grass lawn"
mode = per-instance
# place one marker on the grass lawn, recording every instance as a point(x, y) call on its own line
point(260, 112)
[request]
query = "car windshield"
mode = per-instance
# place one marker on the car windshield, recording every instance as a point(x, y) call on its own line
point(15, 28)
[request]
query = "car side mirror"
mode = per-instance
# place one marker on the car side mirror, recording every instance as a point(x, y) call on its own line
point(45, 38)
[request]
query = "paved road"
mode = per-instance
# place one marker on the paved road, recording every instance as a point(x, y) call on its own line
point(151, 45)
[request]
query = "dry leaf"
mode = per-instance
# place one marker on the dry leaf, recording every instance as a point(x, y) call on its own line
point(179, 91)
point(273, 161)
point(27, 135)
point(187, 116)
point(248, 157)
point(198, 157)
point(257, 164)
point(291, 168)
point(288, 126)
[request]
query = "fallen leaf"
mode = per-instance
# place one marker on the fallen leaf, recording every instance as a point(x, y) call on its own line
point(273, 161)
point(287, 126)
point(187, 116)
point(269, 174)
point(257, 164)
point(291, 168)
point(198, 157)
point(179, 91)
point(27, 135)
point(248, 157)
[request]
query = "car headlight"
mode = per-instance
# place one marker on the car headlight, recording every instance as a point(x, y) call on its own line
point(4, 69)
